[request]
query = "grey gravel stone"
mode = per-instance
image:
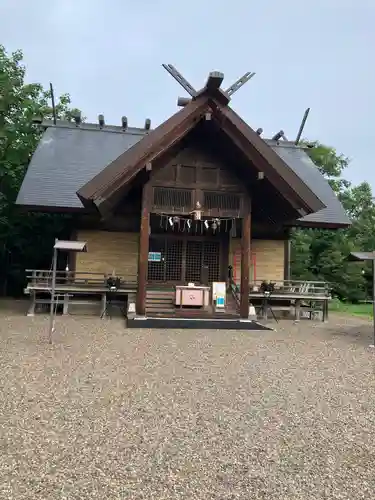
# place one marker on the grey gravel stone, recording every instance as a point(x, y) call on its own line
point(110, 413)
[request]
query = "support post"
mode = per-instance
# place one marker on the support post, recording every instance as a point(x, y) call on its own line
point(53, 292)
point(143, 251)
point(31, 311)
point(287, 255)
point(373, 297)
point(66, 304)
point(245, 263)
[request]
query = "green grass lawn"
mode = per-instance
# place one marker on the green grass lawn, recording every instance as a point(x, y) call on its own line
point(352, 309)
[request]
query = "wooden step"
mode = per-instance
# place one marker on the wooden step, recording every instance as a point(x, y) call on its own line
point(158, 300)
point(161, 314)
point(160, 303)
point(152, 312)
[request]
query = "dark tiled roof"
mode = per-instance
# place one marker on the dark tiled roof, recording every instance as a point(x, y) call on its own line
point(67, 157)
point(301, 163)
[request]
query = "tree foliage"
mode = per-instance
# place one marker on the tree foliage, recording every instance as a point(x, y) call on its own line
point(25, 239)
point(322, 254)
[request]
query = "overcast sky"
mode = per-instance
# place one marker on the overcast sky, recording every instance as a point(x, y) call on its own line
point(108, 56)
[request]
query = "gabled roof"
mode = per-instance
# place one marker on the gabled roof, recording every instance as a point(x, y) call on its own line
point(126, 166)
point(68, 157)
point(96, 162)
point(333, 215)
point(109, 182)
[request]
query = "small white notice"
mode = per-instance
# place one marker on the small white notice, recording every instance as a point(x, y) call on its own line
point(219, 293)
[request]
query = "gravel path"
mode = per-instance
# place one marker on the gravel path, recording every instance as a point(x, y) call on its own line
point(113, 414)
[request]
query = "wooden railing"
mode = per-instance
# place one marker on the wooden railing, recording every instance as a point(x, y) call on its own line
point(292, 288)
point(43, 277)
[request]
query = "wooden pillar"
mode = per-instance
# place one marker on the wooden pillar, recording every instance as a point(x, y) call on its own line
point(143, 251)
point(245, 263)
point(287, 255)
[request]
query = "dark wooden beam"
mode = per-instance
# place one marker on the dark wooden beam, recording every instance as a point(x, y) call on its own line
point(143, 251)
point(238, 83)
point(214, 80)
point(245, 263)
point(284, 179)
point(180, 79)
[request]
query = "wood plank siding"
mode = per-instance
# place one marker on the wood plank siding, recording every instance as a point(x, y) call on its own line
point(266, 255)
point(108, 252)
point(115, 251)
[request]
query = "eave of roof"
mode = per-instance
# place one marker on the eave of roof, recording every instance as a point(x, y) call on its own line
point(115, 176)
point(124, 168)
point(69, 156)
point(361, 256)
point(281, 175)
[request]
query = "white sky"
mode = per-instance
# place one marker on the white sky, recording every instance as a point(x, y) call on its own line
point(108, 56)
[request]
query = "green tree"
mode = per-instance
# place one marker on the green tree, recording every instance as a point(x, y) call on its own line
point(25, 239)
point(322, 254)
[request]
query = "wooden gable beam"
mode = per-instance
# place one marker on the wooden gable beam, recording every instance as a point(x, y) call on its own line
point(262, 156)
point(121, 171)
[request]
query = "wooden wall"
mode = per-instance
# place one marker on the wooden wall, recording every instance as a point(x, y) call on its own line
point(266, 255)
point(109, 251)
point(118, 251)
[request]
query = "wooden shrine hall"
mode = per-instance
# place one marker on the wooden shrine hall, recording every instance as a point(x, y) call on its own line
point(192, 217)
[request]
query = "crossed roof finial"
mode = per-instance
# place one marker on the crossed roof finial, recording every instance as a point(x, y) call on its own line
point(215, 79)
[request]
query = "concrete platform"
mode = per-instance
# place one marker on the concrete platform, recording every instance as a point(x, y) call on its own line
point(195, 323)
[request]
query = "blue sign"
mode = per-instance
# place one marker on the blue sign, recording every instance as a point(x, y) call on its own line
point(220, 301)
point(154, 256)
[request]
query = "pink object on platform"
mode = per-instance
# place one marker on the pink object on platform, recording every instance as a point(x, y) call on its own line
point(192, 297)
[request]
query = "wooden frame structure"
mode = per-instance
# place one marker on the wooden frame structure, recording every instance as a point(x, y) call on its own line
point(154, 151)
point(204, 182)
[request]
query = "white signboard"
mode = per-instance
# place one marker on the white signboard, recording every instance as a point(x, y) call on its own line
point(219, 293)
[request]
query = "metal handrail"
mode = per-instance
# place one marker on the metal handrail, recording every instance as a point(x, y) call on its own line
point(234, 288)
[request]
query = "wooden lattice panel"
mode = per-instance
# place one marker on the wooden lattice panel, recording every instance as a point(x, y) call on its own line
point(172, 199)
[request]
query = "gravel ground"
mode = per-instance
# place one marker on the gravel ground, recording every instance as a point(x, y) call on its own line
point(110, 413)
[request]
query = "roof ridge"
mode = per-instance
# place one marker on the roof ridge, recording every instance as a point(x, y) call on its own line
point(93, 127)
point(118, 129)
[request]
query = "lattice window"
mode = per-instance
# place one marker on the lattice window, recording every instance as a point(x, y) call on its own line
point(170, 198)
point(199, 254)
point(173, 260)
point(211, 258)
point(169, 268)
point(156, 269)
point(194, 253)
point(221, 201)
